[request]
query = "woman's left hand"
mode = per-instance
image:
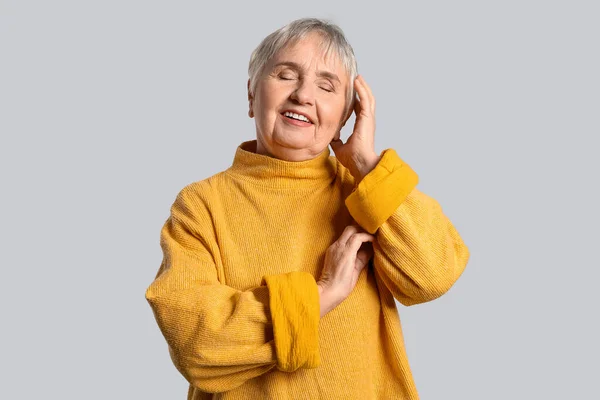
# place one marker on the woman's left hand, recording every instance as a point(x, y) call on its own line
point(358, 153)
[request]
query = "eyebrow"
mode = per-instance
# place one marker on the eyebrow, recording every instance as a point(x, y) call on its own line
point(297, 66)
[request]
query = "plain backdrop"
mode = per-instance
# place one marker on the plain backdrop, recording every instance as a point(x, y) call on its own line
point(109, 108)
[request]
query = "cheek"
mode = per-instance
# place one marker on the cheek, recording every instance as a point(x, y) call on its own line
point(332, 115)
point(268, 104)
point(263, 108)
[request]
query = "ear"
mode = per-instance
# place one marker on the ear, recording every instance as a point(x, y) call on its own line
point(250, 102)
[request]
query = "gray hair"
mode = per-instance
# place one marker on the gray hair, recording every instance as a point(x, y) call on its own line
point(333, 40)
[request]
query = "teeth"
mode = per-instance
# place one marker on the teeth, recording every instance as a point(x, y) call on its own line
point(296, 116)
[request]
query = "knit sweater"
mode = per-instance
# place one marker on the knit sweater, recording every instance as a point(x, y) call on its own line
point(236, 296)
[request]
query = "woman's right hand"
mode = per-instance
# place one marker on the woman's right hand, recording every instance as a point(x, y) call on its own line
point(344, 261)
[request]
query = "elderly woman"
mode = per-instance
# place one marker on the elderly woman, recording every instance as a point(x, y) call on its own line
point(279, 274)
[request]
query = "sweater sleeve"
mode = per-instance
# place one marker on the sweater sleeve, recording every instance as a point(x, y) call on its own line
point(219, 337)
point(418, 253)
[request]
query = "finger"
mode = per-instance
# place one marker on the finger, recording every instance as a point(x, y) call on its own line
point(369, 93)
point(357, 106)
point(360, 264)
point(362, 257)
point(365, 253)
point(351, 229)
point(347, 233)
point(365, 101)
point(357, 240)
point(354, 100)
point(336, 143)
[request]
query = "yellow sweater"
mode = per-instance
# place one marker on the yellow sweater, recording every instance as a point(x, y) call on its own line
point(236, 297)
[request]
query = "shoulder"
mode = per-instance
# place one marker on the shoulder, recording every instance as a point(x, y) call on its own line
point(196, 200)
point(192, 212)
point(202, 192)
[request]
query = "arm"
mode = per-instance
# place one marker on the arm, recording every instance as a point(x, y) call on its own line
point(418, 253)
point(218, 336)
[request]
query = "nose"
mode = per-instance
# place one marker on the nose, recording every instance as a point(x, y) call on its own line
point(304, 92)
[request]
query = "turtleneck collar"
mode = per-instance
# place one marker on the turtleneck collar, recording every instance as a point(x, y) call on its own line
point(268, 171)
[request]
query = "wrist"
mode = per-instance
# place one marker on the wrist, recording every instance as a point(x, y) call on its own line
point(325, 300)
point(367, 165)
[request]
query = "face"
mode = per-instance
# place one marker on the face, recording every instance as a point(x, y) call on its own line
point(299, 79)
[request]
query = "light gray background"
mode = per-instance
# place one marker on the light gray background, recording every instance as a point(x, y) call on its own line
point(109, 108)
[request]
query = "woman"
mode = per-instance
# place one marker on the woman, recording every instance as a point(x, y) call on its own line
point(279, 274)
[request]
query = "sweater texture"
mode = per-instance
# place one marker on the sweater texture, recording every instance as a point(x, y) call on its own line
point(236, 296)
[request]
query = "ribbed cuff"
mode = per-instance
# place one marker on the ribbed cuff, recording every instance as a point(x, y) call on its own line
point(381, 191)
point(295, 311)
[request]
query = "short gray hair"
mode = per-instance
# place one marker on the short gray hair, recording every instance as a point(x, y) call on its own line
point(333, 40)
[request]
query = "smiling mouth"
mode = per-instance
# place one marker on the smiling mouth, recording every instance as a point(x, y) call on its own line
point(295, 120)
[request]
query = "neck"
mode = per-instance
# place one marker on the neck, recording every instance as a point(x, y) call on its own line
point(264, 170)
point(292, 155)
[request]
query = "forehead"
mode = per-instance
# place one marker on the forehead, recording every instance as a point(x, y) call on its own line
point(309, 52)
